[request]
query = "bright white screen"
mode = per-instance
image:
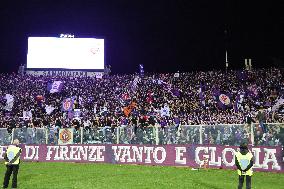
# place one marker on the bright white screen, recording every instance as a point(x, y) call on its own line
point(67, 53)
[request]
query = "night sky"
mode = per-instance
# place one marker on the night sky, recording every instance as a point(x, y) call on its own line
point(164, 35)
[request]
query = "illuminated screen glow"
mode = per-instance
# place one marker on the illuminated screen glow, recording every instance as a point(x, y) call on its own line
point(65, 53)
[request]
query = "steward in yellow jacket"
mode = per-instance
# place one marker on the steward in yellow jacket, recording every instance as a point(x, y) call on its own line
point(12, 161)
point(244, 163)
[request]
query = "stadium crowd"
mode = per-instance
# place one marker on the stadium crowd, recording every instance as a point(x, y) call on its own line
point(163, 99)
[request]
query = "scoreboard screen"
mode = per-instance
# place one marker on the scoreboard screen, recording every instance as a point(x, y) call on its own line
point(65, 53)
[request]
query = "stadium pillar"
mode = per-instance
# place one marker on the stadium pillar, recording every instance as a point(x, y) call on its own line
point(156, 134)
point(117, 135)
point(226, 61)
point(12, 136)
point(200, 134)
point(82, 135)
point(252, 134)
point(46, 136)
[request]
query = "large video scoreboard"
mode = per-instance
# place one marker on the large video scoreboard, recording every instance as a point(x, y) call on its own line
point(65, 53)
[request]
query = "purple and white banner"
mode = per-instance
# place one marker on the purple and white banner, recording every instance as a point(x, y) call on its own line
point(265, 158)
point(55, 86)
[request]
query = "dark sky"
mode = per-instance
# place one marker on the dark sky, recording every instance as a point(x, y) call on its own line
point(164, 35)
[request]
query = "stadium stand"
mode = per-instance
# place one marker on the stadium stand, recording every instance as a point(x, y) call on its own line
point(166, 100)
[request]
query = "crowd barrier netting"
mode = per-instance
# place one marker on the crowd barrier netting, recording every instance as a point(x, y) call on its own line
point(5, 136)
point(231, 135)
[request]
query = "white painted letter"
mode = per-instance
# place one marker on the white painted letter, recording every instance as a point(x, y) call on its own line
point(197, 150)
point(83, 150)
point(118, 153)
point(256, 152)
point(100, 151)
point(49, 152)
point(179, 155)
point(164, 154)
point(148, 151)
point(137, 153)
point(73, 150)
point(213, 157)
point(2, 151)
point(232, 163)
point(267, 159)
point(126, 153)
point(63, 153)
point(30, 156)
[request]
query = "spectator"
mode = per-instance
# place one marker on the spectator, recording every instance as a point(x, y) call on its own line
point(99, 99)
point(261, 118)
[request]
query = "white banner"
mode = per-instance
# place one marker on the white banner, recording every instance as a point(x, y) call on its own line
point(66, 73)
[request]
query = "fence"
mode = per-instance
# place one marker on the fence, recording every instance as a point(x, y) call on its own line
point(187, 134)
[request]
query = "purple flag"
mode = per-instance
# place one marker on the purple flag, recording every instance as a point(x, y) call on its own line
point(168, 87)
point(252, 91)
point(223, 100)
point(239, 100)
point(67, 104)
point(55, 86)
point(70, 115)
point(201, 94)
point(141, 69)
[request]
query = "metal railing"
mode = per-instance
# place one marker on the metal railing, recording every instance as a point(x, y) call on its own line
point(223, 134)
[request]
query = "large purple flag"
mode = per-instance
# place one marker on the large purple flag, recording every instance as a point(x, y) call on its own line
point(223, 99)
point(55, 86)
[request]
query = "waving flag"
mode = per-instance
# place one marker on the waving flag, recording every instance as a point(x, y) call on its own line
point(9, 102)
point(49, 109)
point(67, 104)
point(141, 69)
point(134, 85)
point(278, 103)
point(175, 92)
point(127, 110)
point(55, 86)
point(223, 100)
point(201, 95)
point(252, 91)
point(27, 114)
point(239, 101)
point(165, 111)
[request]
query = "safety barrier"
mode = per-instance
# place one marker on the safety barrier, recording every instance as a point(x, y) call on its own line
point(223, 134)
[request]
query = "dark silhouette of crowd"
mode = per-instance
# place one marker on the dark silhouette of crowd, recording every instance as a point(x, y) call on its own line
point(102, 101)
